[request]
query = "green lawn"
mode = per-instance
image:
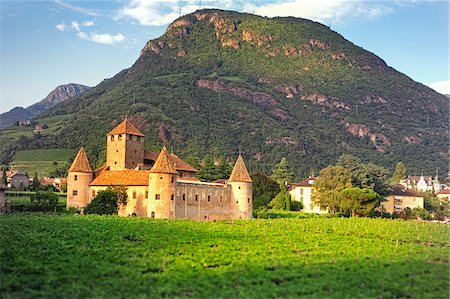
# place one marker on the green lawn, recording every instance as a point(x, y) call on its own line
point(76, 256)
point(42, 161)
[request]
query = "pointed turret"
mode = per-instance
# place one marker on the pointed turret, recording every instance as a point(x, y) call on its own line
point(126, 127)
point(79, 177)
point(240, 173)
point(81, 163)
point(241, 191)
point(163, 164)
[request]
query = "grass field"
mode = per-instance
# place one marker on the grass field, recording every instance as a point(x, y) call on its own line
point(42, 161)
point(76, 256)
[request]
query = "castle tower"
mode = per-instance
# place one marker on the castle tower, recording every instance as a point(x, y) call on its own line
point(78, 179)
point(162, 188)
point(124, 147)
point(241, 190)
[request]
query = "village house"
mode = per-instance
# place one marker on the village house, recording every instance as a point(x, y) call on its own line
point(302, 192)
point(401, 198)
point(444, 195)
point(159, 185)
point(422, 183)
point(16, 179)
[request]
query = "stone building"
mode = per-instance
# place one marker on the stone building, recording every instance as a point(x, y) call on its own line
point(159, 185)
point(16, 179)
point(401, 198)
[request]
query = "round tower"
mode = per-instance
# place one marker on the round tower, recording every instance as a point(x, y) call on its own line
point(241, 191)
point(162, 188)
point(79, 177)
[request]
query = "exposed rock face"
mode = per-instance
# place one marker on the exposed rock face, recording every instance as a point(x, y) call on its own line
point(255, 38)
point(369, 99)
point(412, 139)
point(151, 46)
point(316, 43)
point(378, 140)
point(289, 90)
point(338, 55)
point(230, 43)
point(281, 141)
point(320, 99)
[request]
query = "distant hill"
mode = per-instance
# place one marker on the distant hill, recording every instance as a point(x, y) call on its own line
point(220, 81)
point(58, 95)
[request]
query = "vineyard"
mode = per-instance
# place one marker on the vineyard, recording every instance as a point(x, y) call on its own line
point(75, 256)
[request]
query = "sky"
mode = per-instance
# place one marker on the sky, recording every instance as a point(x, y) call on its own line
point(44, 44)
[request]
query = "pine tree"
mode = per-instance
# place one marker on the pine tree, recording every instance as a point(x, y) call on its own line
point(4, 178)
point(399, 173)
point(282, 173)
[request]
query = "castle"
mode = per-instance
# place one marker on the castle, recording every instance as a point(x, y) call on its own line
point(159, 185)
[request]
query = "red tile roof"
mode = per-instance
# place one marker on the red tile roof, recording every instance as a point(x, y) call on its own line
point(240, 173)
point(122, 177)
point(126, 127)
point(81, 163)
point(177, 162)
point(401, 190)
point(163, 164)
point(445, 191)
point(305, 183)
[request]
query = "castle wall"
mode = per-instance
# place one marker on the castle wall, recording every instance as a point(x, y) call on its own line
point(202, 201)
point(78, 189)
point(241, 200)
point(124, 151)
point(136, 201)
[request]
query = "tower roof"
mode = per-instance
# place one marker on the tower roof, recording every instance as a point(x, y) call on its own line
point(163, 164)
point(125, 127)
point(81, 162)
point(240, 173)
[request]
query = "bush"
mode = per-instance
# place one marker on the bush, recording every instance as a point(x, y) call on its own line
point(43, 201)
point(105, 203)
point(296, 206)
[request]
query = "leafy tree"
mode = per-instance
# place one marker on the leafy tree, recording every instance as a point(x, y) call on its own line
point(282, 173)
point(43, 201)
point(264, 189)
point(372, 176)
point(121, 193)
point(430, 202)
point(330, 182)
point(282, 201)
point(358, 201)
point(399, 173)
point(349, 162)
point(420, 213)
point(296, 206)
point(4, 177)
point(105, 203)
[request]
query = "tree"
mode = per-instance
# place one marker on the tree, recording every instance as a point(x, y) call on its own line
point(107, 201)
point(399, 173)
point(358, 201)
point(349, 162)
point(4, 177)
point(430, 202)
point(373, 177)
point(330, 182)
point(264, 189)
point(282, 174)
point(36, 184)
point(43, 201)
point(282, 201)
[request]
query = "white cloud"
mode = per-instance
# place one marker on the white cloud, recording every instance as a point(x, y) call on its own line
point(102, 38)
point(88, 24)
point(78, 9)
point(61, 27)
point(442, 87)
point(75, 25)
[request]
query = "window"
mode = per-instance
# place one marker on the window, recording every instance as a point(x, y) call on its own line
point(160, 178)
point(75, 192)
point(93, 193)
point(301, 191)
point(139, 138)
point(115, 162)
point(117, 151)
point(112, 137)
point(172, 179)
point(237, 201)
point(130, 137)
point(248, 200)
point(75, 178)
point(153, 215)
point(220, 199)
point(196, 197)
point(181, 174)
point(134, 194)
point(239, 187)
point(135, 151)
point(184, 197)
point(209, 197)
point(119, 137)
point(157, 196)
point(172, 197)
point(146, 194)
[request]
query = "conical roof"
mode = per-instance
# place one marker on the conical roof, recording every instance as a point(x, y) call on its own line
point(163, 164)
point(125, 127)
point(81, 162)
point(240, 173)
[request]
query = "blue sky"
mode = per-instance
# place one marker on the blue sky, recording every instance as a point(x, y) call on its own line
point(48, 43)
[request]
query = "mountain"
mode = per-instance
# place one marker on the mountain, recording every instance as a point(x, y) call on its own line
point(58, 95)
point(218, 82)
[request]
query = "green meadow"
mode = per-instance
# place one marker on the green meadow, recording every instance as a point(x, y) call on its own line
point(41, 161)
point(78, 256)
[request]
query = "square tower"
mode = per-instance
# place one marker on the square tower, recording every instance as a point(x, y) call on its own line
point(124, 147)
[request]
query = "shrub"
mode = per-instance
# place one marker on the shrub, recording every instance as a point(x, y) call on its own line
point(43, 201)
point(106, 202)
point(296, 206)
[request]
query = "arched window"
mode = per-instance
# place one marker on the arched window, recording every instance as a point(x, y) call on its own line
point(119, 137)
point(112, 137)
point(153, 215)
point(75, 178)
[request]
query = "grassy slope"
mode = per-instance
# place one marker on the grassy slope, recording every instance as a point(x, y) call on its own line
point(94, 256)
point(42, 161)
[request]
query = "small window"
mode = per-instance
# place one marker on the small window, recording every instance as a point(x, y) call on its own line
point(153, 215)
point(146, 194)
point(172, 197)
point(115, 162)
point(196, 197)
point(139, 138)
point(75, 192)
point(237, 201)
point(112, 137)
point(134, 194)
point(181, 174)
point(209, 197)
point(93, 193)
point(184, 197)
point(75, 178)
point(248, 200)
point(239, 187)
point(135, 151)
point(130, 137)
point(160, 178)
point(172, 179)
point(119, 137)
point(157, 196)
point(117, 151)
